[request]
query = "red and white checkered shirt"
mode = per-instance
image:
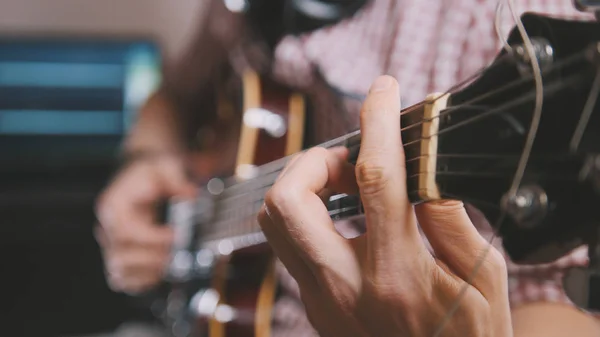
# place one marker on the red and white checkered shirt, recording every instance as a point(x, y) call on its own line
point(428, 45)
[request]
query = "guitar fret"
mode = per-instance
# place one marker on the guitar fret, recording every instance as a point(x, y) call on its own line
point(240, 202)
point(239, 221)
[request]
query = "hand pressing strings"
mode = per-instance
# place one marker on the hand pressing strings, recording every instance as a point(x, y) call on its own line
point(385, 282)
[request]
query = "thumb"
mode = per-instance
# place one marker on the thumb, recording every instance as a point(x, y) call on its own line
point(452, 235)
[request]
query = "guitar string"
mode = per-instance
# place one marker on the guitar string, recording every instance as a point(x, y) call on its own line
point(269, 179)
point(257, 197)
point(251, 201)
point(523, 161)
point(588, 108)
point(279, 164)
point(251, 226)
point(274, 173)
point(455, 87)
point(414, 108)
point(556, 86)
point(471, 103)
point(282, 162)
point(334, 213)
point(269, 183)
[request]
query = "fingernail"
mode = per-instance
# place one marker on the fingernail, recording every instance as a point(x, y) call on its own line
point(381, 83)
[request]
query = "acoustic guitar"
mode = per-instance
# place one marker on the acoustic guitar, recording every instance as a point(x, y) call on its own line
point(467, 144)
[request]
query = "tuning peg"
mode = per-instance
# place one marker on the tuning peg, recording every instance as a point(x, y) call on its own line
point(527, 206)
point(543, 51)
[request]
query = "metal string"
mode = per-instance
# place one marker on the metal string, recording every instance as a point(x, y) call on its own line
point(265, 180)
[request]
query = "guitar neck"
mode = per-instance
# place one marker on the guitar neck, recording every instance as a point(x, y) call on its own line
point(235, 203)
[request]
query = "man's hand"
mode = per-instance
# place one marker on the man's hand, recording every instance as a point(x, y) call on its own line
point(136, 248)
point(386, 282)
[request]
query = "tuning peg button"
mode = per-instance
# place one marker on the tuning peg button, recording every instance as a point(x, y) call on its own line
point(527, 206)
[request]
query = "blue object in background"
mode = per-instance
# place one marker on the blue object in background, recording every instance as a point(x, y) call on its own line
point(74, 87)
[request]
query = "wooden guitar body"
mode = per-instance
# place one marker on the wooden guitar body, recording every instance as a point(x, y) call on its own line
point(246, 285)
point(242, 274)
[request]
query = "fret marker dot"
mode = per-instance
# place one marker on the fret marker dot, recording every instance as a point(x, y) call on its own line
point(246, 171)
point(204, 258)
point(215, 186)
point(237, 6)
point(225, 247)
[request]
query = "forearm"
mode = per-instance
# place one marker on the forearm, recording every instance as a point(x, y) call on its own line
point(186, 100)
point(158, 127)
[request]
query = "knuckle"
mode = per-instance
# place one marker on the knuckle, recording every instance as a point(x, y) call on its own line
point(371, 176)
point(279, 196)
point(121, 236)
point(492, 274)
point(476, 311)
point(391, 291)
point(274, 197)
point(318, 152)
point(264, 219)
point(496, 264)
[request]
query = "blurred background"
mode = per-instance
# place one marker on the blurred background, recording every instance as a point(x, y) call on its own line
point(72, 75)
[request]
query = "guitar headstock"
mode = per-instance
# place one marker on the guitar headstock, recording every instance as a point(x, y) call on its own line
point(483, 128)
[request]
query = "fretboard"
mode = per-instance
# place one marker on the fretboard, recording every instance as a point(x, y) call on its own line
point(236, 204)
point(227, 209)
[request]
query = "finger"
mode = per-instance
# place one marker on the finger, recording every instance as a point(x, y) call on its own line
point(289, 164)
point(282, 248)
point(132, 286)
point(456, 242)
point(381, 176)
point(134, 270)
point(131, 226)
point(134, 234)
point(141, 187)
point(301, 217)
point(338, 151)
point(138, 261)
point(100, 236)
point(280, 244)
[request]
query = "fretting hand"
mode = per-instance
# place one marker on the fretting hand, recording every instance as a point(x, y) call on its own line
point(386, 282)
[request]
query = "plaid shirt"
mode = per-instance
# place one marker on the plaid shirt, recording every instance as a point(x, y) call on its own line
point(428, 45)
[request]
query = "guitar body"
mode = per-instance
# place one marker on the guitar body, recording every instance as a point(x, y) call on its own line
point(244, 279)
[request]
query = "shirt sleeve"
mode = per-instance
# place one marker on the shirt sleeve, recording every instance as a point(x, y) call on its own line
point(191, 79)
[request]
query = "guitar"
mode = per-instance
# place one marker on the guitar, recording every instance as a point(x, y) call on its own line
point(466, 144)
